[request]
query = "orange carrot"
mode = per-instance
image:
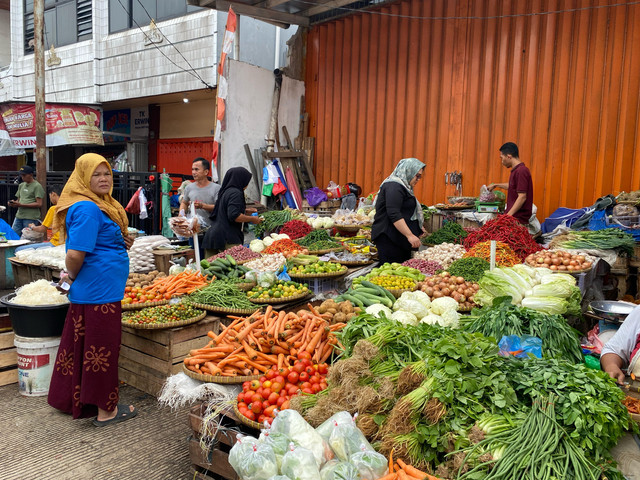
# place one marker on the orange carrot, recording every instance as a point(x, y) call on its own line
point(280, 361)
point(391, 460)
point(213, 368)
point(248, 329)
point(389, 476)
point(313, 310)
point(402, 475)
point(313, 343)
point(271, 359)
point(414, 472)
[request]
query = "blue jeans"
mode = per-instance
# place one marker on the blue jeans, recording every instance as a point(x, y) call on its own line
point(34, 245)
point(20, 223)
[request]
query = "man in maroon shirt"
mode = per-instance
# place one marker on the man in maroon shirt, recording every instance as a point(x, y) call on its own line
point(520, 186)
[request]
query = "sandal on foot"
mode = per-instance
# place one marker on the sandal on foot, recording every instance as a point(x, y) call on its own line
point(123, 413)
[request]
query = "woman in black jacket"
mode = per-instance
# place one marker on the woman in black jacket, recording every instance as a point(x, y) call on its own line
point(398, 220)
point(229, 213)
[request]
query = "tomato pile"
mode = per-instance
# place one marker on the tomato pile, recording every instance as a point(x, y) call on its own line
point(260, 398)
point(141, 295)
point(162, 314)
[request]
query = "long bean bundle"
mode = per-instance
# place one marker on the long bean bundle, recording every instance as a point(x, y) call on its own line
point(607, 239)
point(272, 220)
point(222, 293)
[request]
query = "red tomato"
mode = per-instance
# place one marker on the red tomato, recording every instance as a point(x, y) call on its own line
point(298, 368)
point(241, 397)
point(250, 415)
point(310, 370)
point(266, 392)
point(262, 380)
point(269, 420)
point(243, 411)
point(246, 386)
point(271, 374)
point(308, 390)
point(292, 390)
point(276, 387)
point(267, 384)
point(248, 397)
point(303, 354)
point(261, 418)
point(256, 398)
point(323, 385)
point(273, 398)
point(265, 404)
point(315, 379)
point(306, 385)
point(255, 384)
point(292, 377)
point(279, 379)
point(316, 388)
point(280, 401)
point(285, 405)
point(323, 368)
point(242, 405)
point(256, 407)
point(259, 391)
point(306, 362)
point(268, 412)
point(304, 377)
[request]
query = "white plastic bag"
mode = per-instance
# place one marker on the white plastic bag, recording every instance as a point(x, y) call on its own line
point(347, 439)
point(328, 425)
point(252, 460)
point(291, 423)
point(279, 442)
point(337, 470)
point(300, 464)
point(371, 465)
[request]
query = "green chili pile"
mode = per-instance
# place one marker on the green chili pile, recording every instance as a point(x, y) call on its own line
point(471, 269)
point(451, 232)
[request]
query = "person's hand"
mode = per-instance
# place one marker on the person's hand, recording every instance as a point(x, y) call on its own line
point(491, 187)
point(31, 225)
point(128, 241)
point(414, 241)
point(13, 203)
point(64, 279)
point(615, 373)
point(257, 220)
point(181, 214)
point(251, 211)
point(198, 204)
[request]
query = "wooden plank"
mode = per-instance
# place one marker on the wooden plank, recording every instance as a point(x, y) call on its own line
point(252, 166)
point(169, 336)
point(9, 357)
point(147, 362)
point(148, 385)
point(307, 166)
point(282, 154)
point(215, 461)
point(287, 137)
point(155, 349)
point(6, 340)
point(263, 14)
point(181, 350)
point(8, 377)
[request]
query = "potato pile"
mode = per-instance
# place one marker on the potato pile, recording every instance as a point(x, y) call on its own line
point(341, 312)
point(141, 280)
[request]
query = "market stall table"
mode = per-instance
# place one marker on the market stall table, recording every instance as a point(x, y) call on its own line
point(8, 250)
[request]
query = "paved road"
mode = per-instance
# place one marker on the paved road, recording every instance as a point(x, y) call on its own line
point(44, 444)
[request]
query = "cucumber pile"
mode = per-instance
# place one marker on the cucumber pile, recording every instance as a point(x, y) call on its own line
point(366, 293)
point(222, 268)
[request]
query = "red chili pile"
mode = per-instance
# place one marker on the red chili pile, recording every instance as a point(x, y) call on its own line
point(508, 230)
point(287, 247)
point(296, 229)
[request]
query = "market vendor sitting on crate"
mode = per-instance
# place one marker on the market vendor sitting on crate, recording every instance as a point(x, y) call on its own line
point(623, 349)
point(229, 213)
point(397, 224)
point(519, 189)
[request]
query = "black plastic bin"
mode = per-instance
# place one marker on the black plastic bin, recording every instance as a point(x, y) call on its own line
point(36, 321)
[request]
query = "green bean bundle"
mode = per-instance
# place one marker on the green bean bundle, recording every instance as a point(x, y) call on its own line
point(271, 221)
point(222, 293)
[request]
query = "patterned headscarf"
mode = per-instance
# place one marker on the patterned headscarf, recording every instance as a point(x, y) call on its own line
point(77, 189)
point(404, 172)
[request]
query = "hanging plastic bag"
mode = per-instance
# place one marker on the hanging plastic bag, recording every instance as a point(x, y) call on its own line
point(337, 470)
point(252, 460)
point(520, 347)
point(133, 207)
point(292, 424)
point(371, 465)
point(300, 464)
point(284, 276)
point(279, 442)
point(32, 235)
point(315, 196)
point(278, 188)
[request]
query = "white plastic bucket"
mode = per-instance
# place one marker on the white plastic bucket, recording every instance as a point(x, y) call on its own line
point(36, 359)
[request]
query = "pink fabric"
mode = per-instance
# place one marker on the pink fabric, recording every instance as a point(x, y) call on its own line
point(592, 336)
point(635, 350)
point(293, 187)
point(85, 375)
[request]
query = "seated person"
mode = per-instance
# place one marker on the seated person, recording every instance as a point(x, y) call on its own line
point(47, 223)
point(621, 351)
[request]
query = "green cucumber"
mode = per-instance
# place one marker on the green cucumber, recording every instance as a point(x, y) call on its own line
point(354, 300)
point(231, 260)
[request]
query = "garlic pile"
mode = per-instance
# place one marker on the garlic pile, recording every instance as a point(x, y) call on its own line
point(445, 253)
point(141, 253)
point(347, 217)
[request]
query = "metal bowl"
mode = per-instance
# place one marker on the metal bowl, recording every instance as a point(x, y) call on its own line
point(612, 310)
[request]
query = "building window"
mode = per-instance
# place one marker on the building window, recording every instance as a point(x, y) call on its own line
point(65, 22)
point(125, 14)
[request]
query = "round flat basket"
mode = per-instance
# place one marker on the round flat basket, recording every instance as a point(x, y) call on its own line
point(275, 301)
point(566, 271)
point(246, 286)
point(218, 309)
point(245, 420)
point(138, 306)
point(358, 263)
point(327, 250)
point(339, 273)
point(397, 292)
point(158, 326)
point(219, 378)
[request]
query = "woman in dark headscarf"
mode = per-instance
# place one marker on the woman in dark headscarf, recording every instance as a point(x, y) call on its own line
point(397, 225)
point(229, 213)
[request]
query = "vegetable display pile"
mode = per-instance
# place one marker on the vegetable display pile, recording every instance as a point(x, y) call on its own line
point(505, 256)
point(427, 267)
point(279, 289)
point(259, 399)
point(559, 340)
point(560, 260)
point(607, 239)
point(393, 282)
point(267, 263)
point(318, 240)
point(258, 245)
point(223, 268)
point(134, 295)
point(185, 282)
point(272, 220)
point(508, 230)
point(238, 253)
point(162, 314)
point(222, 293)
point(392, 269)
point(296, 229)
point(287, 247)
point(365, 293)
point(447, 285)
point(536, 288)
point(318, 267)
point(252, 345)
point(320, 222)
point(445, 253)
point(451, 232)
point(40, 292)
point(471, 269)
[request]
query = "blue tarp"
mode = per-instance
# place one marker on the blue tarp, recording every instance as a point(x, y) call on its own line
point(566, 216)
point(8, 232)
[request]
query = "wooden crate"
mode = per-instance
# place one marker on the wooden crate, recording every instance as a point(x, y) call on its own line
point(21, 273)
point(163, 257)
point(327, 208)
point(148, 357)
point(8, 359)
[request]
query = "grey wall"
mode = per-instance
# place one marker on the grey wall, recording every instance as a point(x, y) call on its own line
point(5, 38)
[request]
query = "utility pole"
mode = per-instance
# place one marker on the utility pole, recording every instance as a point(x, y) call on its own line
point(41, 126)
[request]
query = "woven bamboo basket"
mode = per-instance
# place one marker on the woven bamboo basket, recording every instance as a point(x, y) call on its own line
point(245, 420)
point(327, 250)
point(360, 263)
point(139, 306)
point(158, 326)
point(275, 301)
point(218, 309)
point(219, 378)
point(302, 276)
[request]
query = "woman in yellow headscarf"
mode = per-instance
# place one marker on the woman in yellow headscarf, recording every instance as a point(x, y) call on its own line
point(94, 225)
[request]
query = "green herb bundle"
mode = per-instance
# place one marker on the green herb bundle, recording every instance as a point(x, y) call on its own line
point(451, 232)
point(222, 293)
point(471, 269)
point(272, 220)
point(607, 239)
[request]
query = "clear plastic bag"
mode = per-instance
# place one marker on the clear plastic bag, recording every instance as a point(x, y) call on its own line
point(486, 195)
point(520, 347)
point(337, 470)
point(32, 235)
point(347, 439)
point(291, 423)
point(300, 464)
point(371, 465)
point(326, 428)
point(252, 460)
point(279, 442)
point(280, 477)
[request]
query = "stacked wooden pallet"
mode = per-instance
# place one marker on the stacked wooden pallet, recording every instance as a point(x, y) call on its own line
point(8, 353)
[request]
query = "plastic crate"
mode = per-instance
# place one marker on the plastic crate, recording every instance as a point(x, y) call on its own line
point(322, 285)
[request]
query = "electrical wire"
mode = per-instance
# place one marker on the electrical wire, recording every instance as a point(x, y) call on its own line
point(170, 43)
point(192, 73)
point(493, 17)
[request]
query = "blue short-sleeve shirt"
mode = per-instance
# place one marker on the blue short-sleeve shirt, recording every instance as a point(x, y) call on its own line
point(104, 272)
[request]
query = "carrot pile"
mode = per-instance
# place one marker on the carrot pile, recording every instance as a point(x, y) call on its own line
point(252, 345)
point(180, 284)
point(632, 404)
point(287, 247)
point(399, 470)
point(505, 256)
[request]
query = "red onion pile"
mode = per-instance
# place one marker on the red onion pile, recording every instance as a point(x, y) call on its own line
point(428, 267)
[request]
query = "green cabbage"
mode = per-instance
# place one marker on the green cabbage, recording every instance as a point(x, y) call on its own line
point(550, 305)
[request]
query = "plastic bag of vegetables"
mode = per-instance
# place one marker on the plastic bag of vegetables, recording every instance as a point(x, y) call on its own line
point(371, 465)
point(291, 423)
point(279, 442)
point(347, 439)
point(300, 464)
point(326, 428)
point(337, 470)
point(253, 460)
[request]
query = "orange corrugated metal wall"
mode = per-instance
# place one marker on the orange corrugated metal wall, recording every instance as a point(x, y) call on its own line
point(564, 86)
